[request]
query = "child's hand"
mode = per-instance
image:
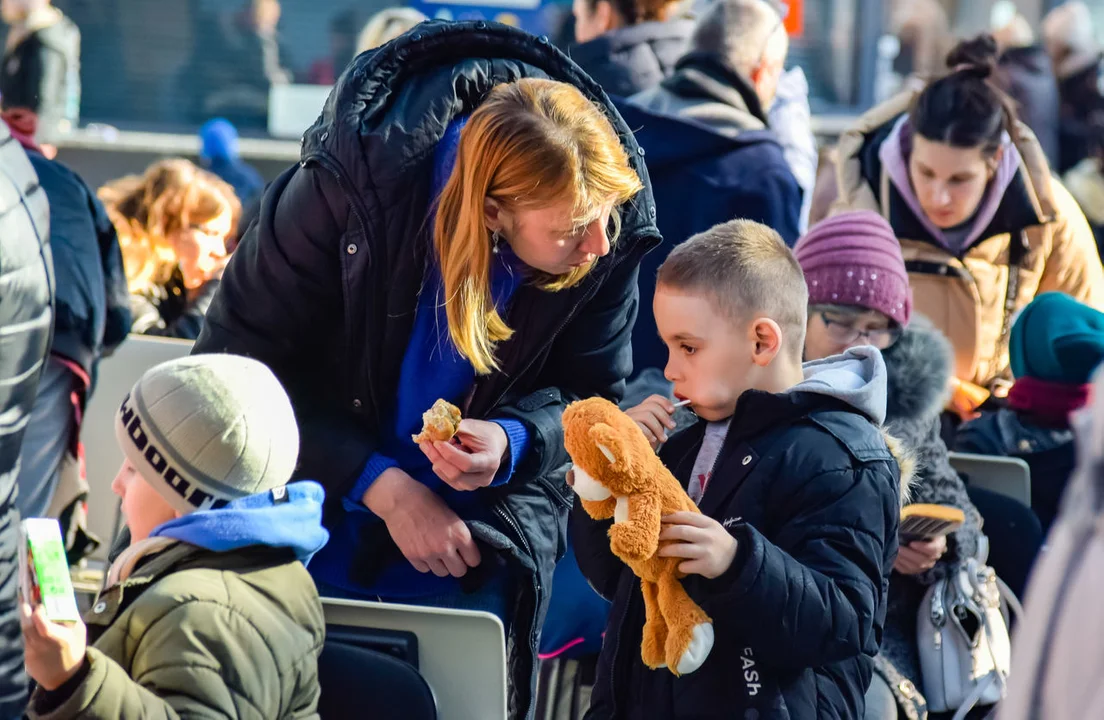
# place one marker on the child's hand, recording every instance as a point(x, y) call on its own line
point(707, 547)
point(654, 418)
point(54, 651)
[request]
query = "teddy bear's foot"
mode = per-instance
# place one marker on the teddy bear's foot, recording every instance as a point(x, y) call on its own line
point(701, 642)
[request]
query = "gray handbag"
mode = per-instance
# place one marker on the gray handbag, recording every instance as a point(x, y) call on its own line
point(962, 635)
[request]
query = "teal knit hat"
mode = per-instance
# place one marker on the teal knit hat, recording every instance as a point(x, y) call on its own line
point(1057, 339)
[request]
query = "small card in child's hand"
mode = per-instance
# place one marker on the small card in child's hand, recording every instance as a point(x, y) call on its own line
point(44, 570)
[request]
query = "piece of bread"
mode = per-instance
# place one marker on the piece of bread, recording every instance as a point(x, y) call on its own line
point(439, 423)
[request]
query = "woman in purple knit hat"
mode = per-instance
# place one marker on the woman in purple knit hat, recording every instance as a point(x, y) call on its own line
point(859, 295)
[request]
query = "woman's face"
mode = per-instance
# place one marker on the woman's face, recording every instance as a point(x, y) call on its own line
point(201, 249)
point(949, 182)
point(548, 240)
point(833, 331)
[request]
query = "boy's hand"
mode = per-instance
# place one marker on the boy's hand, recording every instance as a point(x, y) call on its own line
point(703, 542)
point(54, 651)
point(654, 418)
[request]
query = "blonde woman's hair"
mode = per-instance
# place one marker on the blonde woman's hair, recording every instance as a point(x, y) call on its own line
point(386, 25)
point(531, 144)
point(147, 209)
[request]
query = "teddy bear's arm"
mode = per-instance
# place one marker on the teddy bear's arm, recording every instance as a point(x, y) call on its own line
point(637, 538)
point(600, 509)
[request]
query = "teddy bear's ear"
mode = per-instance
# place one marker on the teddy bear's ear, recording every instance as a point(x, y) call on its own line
point(608, 443)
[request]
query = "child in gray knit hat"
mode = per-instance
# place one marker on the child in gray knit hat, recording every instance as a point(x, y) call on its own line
point(210, 610)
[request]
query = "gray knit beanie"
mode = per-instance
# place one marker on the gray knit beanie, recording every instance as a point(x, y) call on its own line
point(206, 429)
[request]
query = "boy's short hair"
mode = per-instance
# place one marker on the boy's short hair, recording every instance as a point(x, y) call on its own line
point(744, 268)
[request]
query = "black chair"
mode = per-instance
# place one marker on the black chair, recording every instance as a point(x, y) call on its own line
point(358, 681)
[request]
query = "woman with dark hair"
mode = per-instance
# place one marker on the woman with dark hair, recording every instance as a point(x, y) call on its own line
point(466, 225)
point(629, 45)
point(983, 225)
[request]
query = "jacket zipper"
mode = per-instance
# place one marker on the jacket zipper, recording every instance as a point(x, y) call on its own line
point(506, 515)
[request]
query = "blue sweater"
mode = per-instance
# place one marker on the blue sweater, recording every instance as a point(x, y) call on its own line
point(432, 368)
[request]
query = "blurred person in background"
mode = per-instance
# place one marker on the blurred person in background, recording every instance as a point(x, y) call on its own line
point(1025, 72)
point(385, 26)
point(1056, 345)
point(173, 223)
point(1085, 180)
point(1070, 37)
point(26, 317)
point(237, 59)
point(924, 30)
point(629, 45)
point(219, 154)
point(1056, 654)
point(41, 65)
point(983, 224)
point(344, 28)
point(710, 152)
point(92, 316)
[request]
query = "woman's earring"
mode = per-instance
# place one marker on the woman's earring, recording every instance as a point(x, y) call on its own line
point(496, 238)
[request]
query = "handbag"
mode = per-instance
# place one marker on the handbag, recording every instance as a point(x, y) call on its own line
point(963, 639)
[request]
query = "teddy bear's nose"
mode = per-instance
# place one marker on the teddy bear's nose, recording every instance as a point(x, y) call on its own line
point(571, 477)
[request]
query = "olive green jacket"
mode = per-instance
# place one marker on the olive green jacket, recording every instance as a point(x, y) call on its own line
point(195, 633)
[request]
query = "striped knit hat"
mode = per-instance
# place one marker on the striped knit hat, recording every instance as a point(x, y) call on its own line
point(207, 429)
point(854, 259)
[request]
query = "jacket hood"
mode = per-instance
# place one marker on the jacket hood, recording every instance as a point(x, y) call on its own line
point(663, 42)
point(54, 30)
point(857, 377)
point(918, 372)
point(287, 517)
point(708, 92)
point(689, 140)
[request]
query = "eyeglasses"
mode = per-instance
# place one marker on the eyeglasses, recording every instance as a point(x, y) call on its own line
point(845, 333)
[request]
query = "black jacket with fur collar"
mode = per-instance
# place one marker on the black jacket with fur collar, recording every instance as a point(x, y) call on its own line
point(810, 491)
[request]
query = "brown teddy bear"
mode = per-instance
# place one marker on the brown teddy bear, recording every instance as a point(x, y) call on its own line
point(616, 474)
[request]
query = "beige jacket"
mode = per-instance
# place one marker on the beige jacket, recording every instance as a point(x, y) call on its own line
point(967, 297)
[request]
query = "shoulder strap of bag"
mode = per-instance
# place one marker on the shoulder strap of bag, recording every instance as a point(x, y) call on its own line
point(1017, 249)
point(910, 701)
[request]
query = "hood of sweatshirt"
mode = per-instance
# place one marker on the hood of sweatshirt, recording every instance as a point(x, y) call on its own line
point(285, 517)
point(857, 377)
point(894, 155)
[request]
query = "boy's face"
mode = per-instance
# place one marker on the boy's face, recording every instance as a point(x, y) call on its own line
point(143, 507)
point(711, 360)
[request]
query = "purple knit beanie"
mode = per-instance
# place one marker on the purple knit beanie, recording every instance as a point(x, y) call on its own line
point(854, 259)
